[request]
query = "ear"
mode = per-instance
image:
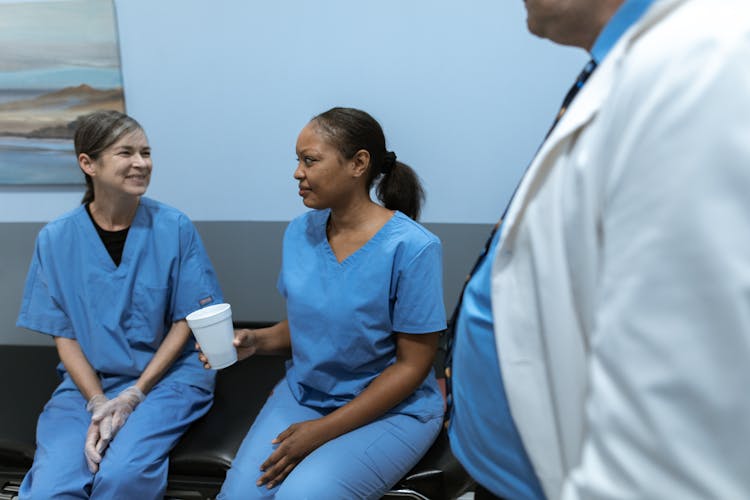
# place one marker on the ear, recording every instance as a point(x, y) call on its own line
point(360, 161)
point(86, 164)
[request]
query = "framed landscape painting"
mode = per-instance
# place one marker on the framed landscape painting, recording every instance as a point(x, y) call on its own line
point(59, 60)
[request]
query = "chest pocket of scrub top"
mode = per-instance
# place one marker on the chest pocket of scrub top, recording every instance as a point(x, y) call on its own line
point(149, 320)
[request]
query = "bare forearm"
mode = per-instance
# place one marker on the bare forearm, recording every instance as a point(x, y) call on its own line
point(394, 385)
point(78, 367)
point(274, 339)
point(168, 352)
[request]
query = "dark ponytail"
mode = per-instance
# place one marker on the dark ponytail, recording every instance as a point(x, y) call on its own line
point(350, 130)
point(399, 189)
point(96, 132)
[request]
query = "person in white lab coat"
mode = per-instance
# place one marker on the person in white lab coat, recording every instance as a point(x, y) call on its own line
point(620, 282)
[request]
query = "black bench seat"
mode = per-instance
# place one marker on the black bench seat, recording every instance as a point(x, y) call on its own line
point(200, 460)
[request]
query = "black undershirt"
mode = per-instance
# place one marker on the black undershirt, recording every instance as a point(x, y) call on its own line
point(114, 241)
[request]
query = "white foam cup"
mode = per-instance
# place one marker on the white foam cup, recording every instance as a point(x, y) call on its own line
point(212, 327)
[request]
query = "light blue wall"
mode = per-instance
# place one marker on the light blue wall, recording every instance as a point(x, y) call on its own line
point(464, 93)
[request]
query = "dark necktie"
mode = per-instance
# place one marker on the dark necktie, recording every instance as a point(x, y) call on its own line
point(448, 336)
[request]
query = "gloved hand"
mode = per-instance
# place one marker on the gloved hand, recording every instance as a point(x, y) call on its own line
point(94, 444)
point(119, 409)
point(107, 417)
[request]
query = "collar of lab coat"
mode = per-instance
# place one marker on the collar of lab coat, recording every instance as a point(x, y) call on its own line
point(581, 111)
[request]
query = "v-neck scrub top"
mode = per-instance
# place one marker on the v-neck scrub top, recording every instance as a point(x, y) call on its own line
point(343, 315)
point(120, 314)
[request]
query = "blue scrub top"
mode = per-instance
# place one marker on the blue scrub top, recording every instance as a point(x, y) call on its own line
point(120, 314)
point(342, 316)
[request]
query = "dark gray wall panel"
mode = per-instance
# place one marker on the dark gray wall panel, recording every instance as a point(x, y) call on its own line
point(15, 254)
point(246, 255)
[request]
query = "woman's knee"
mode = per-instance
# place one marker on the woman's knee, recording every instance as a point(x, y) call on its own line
point(55, 479)
point(242, 485)
point(325, 487)
point(41, 486)
point(321, 479)
point(130, 479)
point(300, 487)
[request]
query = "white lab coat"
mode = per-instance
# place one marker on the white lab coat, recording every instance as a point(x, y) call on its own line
point(621, 284)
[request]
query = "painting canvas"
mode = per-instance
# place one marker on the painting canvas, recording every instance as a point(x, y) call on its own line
point(59, 60)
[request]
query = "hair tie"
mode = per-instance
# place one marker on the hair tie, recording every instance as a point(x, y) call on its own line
point(388, 161)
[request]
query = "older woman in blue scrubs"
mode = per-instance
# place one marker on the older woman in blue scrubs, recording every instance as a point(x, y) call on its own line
point(359, 405)
point(112, 282)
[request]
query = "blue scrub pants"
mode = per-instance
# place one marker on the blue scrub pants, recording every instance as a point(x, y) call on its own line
point(364, 463)
point(135, 464)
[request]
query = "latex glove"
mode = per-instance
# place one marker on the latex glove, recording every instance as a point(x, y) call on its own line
point(118, 409)
point(94, 444)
